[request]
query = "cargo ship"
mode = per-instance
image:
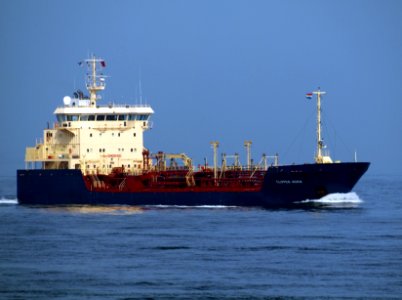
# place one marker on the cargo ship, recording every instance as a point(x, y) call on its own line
point(95, 155)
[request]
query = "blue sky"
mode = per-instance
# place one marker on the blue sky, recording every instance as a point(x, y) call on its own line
point(214, 70)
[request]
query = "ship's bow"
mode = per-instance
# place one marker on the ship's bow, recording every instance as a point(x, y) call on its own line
point(293, 183)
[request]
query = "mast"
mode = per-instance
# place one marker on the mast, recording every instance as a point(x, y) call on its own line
point(94, 82)
point(320, 158)
point(215, 146)
point(247, 145)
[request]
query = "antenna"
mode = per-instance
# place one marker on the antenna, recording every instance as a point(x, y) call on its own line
point(140, 87)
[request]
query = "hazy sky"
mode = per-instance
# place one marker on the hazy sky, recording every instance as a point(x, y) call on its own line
point(214, 70)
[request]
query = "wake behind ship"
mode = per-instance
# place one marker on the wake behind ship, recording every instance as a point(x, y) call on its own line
point(95, 155)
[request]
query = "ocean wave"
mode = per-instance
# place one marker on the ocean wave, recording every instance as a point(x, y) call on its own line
point(4, 200)
point(337, 200)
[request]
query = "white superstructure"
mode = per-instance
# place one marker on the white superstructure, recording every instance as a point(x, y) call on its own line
point(91, 137)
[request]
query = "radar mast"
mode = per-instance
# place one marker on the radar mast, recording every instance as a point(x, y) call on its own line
point(95, 82)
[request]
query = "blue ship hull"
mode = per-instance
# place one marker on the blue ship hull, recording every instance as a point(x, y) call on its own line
point(282, 186)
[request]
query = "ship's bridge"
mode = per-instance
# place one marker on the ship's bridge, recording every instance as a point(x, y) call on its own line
point(80, 111)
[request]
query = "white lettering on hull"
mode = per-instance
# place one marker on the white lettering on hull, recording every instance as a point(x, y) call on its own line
point(289, 181)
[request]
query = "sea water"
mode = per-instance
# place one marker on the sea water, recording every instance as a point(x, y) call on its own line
point(344, 246)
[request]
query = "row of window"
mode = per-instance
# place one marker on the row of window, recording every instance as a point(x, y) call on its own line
point(131, 117)
point(110, 166)
point(90, 150)
point(118, 134)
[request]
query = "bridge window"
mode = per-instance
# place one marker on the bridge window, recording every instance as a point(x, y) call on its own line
point(61, 118)
point(122, 117)
point(72, 117)
point(134, 117)
point(111, 117)
point(142, 117)
point(100, 118)
point(91, 118)
point(84, 118)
